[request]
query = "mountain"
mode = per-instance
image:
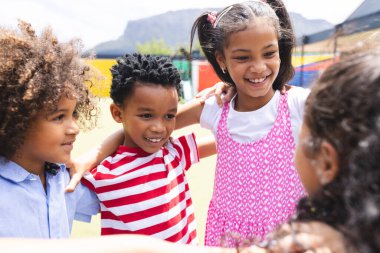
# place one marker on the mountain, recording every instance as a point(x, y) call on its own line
point(303, 26)
point(174, 28)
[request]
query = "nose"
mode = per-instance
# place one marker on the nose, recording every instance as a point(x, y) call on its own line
point(73, 127)
point(158, 126)
point(257, 66)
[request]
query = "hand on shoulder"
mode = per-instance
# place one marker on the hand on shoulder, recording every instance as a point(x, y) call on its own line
point(223, 92)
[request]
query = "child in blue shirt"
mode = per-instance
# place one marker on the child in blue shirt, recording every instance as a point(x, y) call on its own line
point(42, 95)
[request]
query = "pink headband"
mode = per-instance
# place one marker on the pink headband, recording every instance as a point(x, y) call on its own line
point(214, 18)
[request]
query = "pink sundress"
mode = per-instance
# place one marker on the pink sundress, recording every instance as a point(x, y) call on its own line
point(256, 185)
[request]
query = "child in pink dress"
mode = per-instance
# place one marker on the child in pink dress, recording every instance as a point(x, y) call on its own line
point(256, 185)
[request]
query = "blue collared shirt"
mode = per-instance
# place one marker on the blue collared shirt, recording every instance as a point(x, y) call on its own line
point(27, 210)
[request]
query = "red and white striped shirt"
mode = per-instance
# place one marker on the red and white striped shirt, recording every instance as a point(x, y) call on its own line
point(148, 194)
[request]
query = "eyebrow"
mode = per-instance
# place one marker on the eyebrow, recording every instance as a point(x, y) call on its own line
point(245, 50)
point(147, 109)
point(57, 111)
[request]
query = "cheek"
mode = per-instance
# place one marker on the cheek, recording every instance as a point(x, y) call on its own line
point(305, 169)
point(133, 127)
point(275, 66)
point(298, 162)
point(170, 126)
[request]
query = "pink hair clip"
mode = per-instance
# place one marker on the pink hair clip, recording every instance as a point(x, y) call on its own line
point(211, 17)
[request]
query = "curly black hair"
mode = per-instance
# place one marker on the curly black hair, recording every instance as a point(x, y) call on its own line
point(136, 69)
point(344, 109)
point(35, 72)
point(234, 18)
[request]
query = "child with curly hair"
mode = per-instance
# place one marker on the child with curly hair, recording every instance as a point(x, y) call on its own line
point(337, 157)
point(42, 96)
point(142, 186)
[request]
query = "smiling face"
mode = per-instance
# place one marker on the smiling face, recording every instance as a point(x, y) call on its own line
point(252, 60)
point(50, 137)
point(148, 116)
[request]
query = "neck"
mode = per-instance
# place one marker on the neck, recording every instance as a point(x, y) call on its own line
point(244, 103)
point(34, 167)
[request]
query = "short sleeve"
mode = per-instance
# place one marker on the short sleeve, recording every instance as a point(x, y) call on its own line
point(87, 205)
point(210, 115)
point(186, 150)
point(82, 203)
point(296, 100)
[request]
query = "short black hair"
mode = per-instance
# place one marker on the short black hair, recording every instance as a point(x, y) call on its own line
point(134, 68)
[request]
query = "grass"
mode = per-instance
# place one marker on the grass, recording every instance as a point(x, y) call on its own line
point(200, 176)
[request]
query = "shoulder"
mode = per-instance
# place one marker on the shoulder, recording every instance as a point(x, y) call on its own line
point(211, 105)
point(185, 142)
point(210, 114)
point(298, 93)
point(297, 97)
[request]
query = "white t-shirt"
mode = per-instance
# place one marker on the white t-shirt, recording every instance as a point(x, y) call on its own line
point(252, 126)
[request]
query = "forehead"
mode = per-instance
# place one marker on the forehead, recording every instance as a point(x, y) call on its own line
point(258, 33)
point(154, 96)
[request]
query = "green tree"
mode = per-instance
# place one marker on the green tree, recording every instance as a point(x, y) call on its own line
point(154, 47)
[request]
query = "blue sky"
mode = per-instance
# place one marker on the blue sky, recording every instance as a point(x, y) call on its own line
point(96, 21)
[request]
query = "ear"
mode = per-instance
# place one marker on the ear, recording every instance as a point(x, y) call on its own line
point(220, 60)
point(116, 113)
point(328, 163)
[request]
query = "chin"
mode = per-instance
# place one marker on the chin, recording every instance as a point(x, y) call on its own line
point(151, 150)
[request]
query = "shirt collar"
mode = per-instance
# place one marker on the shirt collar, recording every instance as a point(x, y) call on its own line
point(14, 172)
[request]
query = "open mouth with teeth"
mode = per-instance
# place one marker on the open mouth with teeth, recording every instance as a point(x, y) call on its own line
point(154, 140)
point(257, 80)
point(68, 143)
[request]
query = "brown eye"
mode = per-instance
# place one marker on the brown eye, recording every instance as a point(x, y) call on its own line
point(146, 116)
point(75, 114)
point(59, 117)
point(170, 116)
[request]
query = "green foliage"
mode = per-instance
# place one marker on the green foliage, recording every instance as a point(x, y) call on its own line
point(155, 47)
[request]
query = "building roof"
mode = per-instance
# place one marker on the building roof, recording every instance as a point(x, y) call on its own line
point(367, 8)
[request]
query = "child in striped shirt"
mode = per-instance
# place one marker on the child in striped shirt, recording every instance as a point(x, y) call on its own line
point(142, 186)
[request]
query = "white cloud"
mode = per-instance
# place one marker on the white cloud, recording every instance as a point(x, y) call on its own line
point(96, 21)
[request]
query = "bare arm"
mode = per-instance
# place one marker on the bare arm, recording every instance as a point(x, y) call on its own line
point(93, 157)
point(206, 146)
point(189, 113)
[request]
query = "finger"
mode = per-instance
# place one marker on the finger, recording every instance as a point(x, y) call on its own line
point(74, 181)
point(229, 94)
point(283, 90)
point(220, 88)
point(201, 94)
point(219, 100)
